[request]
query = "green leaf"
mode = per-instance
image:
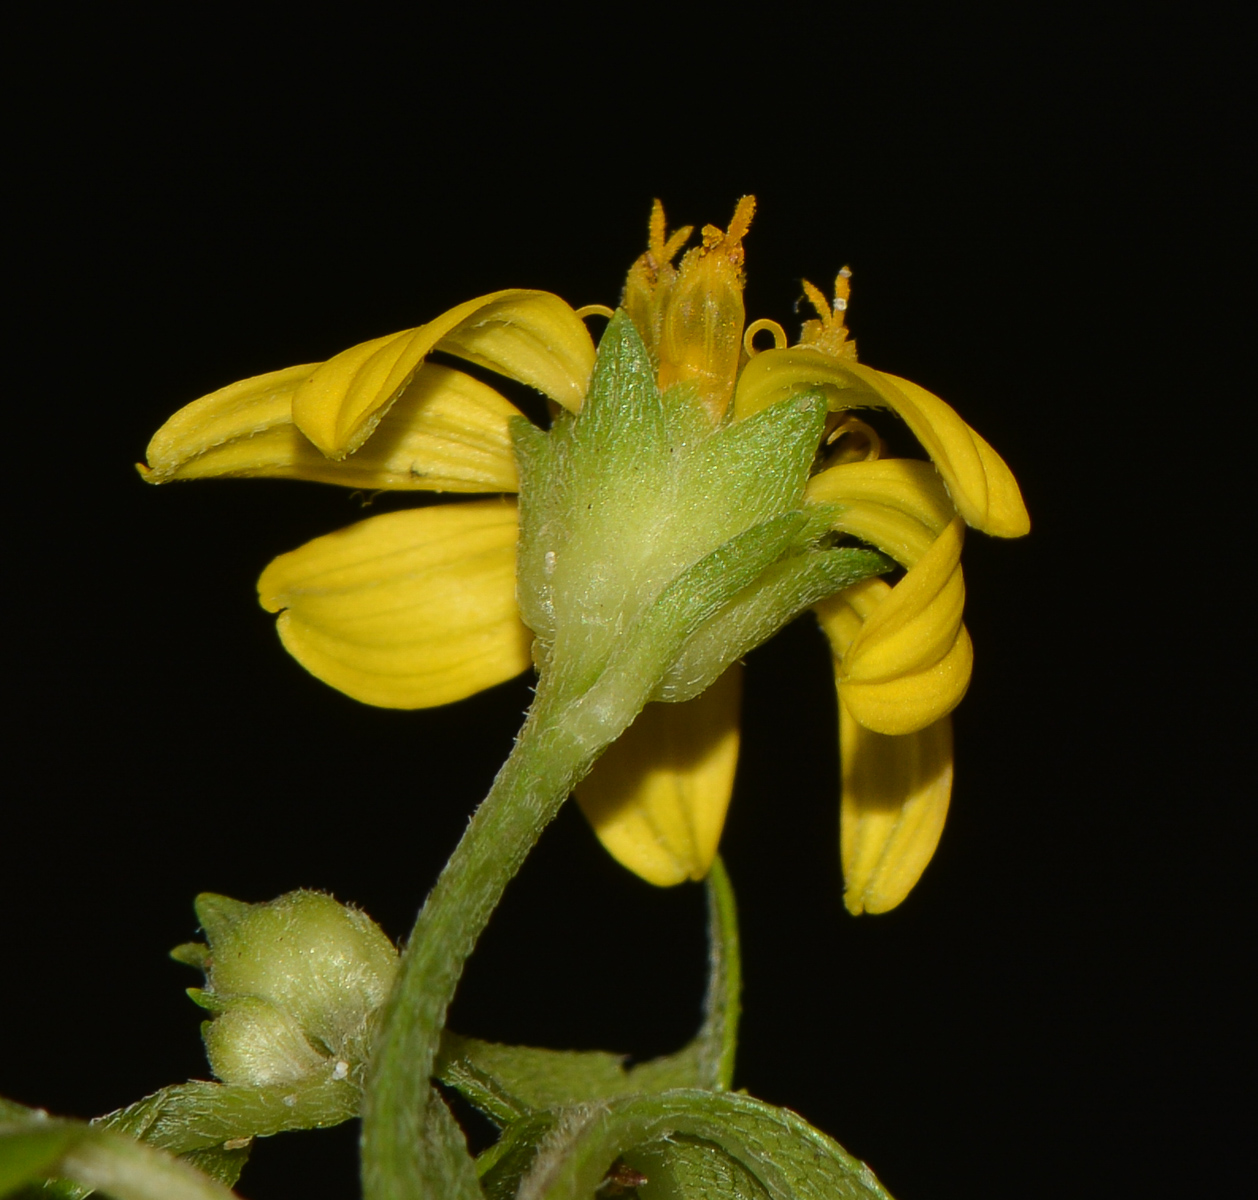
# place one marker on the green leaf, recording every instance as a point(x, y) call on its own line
point(91, 1158)
point(505, 1164)
point(30, 1149)
point(786, 1157)
point(681, 1166)
point(199, 1115)
point(218, 1162)
point(206, 1123)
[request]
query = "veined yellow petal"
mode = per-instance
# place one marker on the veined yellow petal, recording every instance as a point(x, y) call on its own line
point(526, 335)
point(895, 799)
point(531, 337)
point(406, 610)
point(981, 486)
point(248, 408)
point(447, 432)
point(840, 621)
point(894, 533)
point(905, 703)
point(896, 504)
point(905, 484)
point(915, 626)
point(908, 661)
point(657, 798)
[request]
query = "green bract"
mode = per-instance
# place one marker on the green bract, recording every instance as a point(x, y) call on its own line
point(657, 547)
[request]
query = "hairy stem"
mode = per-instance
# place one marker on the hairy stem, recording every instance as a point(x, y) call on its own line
point(406, 1156)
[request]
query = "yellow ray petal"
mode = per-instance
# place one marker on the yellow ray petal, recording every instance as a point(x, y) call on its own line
point(896, 504)
point(895, 798)
point(533, 337)
point(406, 610)
point(917, 623)
point(908, 663)
point(447, 432)
point(657, 797)
point(910, 486)
point(906, 702)
point(981, 486)
point(223, 418)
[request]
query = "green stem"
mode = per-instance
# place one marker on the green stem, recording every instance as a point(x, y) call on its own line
point(400, 1159)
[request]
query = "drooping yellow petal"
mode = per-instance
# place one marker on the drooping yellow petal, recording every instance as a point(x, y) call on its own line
point(908, 662)
point(981, 486)
point(446, 432)
point(532, 337)
point(895, 799)
point(406, 610)
point(657, 798)
point(901, 705)
point(896, 504)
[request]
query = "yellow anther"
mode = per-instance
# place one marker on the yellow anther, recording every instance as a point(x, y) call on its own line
point(730, 241)
point(779, 336)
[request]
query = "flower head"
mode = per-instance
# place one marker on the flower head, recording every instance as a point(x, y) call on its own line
point(418, 608)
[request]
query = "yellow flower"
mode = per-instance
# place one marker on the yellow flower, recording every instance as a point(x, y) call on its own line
point(418, 608)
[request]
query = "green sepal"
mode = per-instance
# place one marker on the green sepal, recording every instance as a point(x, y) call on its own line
point(204, 998)
point(219, 915)
point(780, 594)
point(192, 954)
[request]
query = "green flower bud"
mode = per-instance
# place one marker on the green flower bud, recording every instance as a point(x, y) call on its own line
point(252, 1041)
point(294, 984)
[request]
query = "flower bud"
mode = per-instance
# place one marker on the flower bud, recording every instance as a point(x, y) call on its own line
point(294, 985)
point(252, 1041)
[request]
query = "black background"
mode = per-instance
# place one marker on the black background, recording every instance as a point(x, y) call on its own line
point(1041, 217)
